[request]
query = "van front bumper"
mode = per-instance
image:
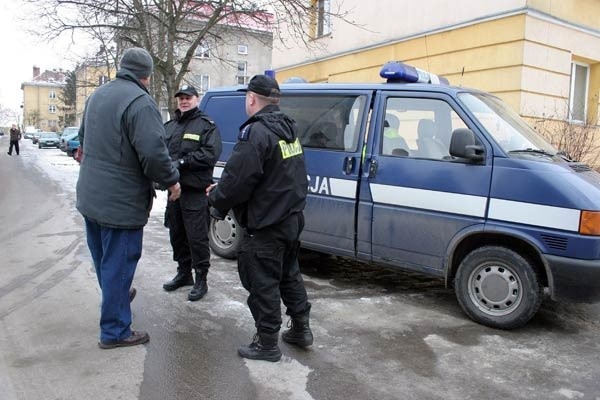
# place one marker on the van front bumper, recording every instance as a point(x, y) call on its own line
point(574, 280)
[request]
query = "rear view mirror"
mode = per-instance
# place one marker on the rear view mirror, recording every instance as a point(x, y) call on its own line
point(462, 145)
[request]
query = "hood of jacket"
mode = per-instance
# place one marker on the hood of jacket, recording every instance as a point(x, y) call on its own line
point(124, 73)
point(276, 121)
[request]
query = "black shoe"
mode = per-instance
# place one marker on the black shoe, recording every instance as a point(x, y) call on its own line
point(132, 293)
point(199, 290)
point(299, 333)
point(181, 279)
point(263, 347)
point(137, 337)
point(8, 153)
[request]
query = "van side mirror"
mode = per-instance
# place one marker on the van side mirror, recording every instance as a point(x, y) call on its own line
point(462, 145)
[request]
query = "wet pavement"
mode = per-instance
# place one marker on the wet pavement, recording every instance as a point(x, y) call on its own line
point(379, 333)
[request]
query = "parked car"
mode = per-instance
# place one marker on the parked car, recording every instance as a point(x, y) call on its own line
point(64, 140)
point(29, 132)
point(72, 146)
point(36, 137)
point(48, 139)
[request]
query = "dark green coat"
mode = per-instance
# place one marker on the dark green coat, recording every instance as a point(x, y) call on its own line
point(124, 151)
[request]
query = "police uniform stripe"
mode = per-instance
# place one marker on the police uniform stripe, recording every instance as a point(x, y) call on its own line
point(534, 214)
point(454, 203)
point(217, 172)
point(191, 136)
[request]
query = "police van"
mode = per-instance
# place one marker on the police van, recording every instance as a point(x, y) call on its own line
point(447, 181)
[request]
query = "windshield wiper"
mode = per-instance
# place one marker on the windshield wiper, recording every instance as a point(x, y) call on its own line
point(534, 151)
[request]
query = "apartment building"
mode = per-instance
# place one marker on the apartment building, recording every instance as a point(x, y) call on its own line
point(42, 104)
point(540, 56)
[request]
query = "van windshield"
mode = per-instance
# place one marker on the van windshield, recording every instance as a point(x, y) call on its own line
point(507, 128)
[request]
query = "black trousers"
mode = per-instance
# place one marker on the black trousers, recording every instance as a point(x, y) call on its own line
point(188, 221)
point(15, 144)
point(268, 268)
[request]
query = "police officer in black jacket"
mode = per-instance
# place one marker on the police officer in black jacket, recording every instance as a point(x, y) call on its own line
point(194, 144)
point(265, 184)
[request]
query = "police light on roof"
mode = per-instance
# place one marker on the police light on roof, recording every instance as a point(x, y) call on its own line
point(398, 72)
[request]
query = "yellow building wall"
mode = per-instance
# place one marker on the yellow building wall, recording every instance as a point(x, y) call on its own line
point(36, 99)
point(486, 56)
point(523, 59)
point(583, 12)
point(88, 80)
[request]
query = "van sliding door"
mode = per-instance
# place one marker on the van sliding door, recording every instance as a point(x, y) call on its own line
point(329, 125)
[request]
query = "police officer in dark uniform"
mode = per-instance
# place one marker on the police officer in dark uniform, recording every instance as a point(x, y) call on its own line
point(265, 184)
point(194, 144)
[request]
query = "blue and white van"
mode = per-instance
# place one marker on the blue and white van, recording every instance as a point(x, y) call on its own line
point(443, 180)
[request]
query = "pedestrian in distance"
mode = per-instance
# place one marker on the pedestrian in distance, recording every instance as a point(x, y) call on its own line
point(15, 136)
point(265, 184)
point(122, 135)
point(194, 144)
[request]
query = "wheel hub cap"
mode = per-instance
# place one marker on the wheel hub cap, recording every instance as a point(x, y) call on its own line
point(495, 289)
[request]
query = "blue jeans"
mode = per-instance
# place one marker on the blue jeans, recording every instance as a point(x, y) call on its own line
point(116, 253)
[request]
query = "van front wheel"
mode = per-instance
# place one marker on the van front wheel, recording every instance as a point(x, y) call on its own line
point(224, 236)
point(497, 287)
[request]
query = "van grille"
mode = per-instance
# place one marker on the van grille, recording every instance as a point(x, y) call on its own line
point(554, 242)
point(580, 167)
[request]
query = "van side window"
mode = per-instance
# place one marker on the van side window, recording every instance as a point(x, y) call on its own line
point(419, 128)
point(327, 122)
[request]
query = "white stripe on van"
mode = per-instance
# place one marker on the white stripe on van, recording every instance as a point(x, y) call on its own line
point(534, 214)
point(429, 200)
point(343, 187)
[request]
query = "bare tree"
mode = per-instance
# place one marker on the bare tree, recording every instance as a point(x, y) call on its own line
point(579, 141)
point(171, 30)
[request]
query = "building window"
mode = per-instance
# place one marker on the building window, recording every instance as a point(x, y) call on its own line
point(164, 113)
point(52, 94)
point(202, 51)
point(242, 49)
point(242, 73)
point(204, 83)
point(52, 109)
point(102, 80)
point(322, 18)
point(580, 74)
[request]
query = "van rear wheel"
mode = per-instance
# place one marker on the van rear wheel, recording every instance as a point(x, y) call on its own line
point(224, 236)
point(497, 287)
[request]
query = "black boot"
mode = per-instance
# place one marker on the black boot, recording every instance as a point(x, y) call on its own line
point(263, 347)
point(183, 278)
point(200, 287)
point(299, 332)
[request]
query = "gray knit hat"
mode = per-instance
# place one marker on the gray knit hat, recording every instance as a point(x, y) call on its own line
point(138, 61)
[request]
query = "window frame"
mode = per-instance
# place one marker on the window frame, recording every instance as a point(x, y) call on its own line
point(572, 80)
point(202, 51)
point(322, 18)
point(204, 83)
point(244, 76)
point(52, 108)
point(242, 49)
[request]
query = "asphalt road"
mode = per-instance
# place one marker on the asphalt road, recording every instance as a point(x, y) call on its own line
point(379, 333)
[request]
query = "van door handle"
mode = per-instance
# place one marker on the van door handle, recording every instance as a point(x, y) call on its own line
point(373, 168)
point(348, 165)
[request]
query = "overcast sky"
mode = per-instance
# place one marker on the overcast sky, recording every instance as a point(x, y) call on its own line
point(20, 51)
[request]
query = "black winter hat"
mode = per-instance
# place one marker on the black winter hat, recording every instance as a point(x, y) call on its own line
point(138, 61)
point(263, 85)
point(187, 90)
